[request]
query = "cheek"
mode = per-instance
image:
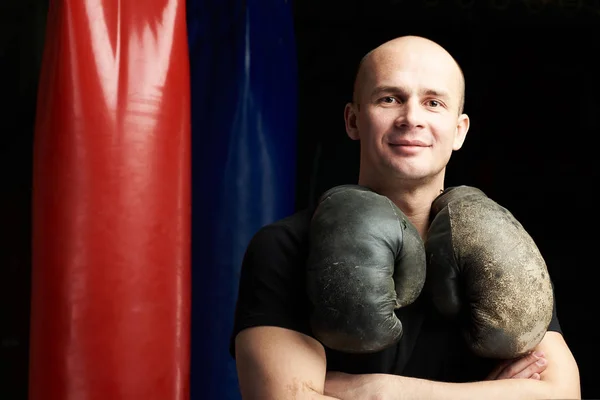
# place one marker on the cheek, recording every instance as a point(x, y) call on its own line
point(445, 133)
point(444, 143)
point(374, 124)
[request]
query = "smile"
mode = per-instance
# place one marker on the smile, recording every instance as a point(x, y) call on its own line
point(407, 149)
point(409, 143)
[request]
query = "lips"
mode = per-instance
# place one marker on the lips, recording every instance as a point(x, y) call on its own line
point(409, 143)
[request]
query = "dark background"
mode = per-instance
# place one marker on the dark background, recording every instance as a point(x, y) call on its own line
point(532, 92)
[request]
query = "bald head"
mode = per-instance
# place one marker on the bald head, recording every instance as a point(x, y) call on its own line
point(398, 50)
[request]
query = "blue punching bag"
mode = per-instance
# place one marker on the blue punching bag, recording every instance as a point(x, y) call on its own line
point(244, 98)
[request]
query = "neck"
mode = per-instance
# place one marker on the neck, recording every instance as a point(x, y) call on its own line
point(414, 198)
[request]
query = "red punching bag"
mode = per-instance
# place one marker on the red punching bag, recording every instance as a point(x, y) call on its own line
point(111, 204)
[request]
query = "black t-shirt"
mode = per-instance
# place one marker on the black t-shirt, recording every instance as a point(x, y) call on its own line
point(272, 292)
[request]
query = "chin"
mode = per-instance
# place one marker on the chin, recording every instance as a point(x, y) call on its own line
point(406, 171)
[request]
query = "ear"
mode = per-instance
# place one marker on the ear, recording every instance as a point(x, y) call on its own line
point(350, 117)
point(462, 127)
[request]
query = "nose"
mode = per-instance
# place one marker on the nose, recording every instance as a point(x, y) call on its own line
point(411, 116)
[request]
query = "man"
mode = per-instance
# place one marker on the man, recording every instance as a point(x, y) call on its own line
point(407, 113)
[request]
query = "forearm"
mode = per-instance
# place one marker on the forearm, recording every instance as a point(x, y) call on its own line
point(303, 394)
point(404, 388)
point(295, 390)
point(280, 364)
point(560, 380)
point(318, 396)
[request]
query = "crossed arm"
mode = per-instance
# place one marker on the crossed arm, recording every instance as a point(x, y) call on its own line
point(276, 363)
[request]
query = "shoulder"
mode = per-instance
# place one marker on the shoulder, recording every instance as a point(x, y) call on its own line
point(294, 225)
point(275, 259)
point(272, 288)
point(289, 234)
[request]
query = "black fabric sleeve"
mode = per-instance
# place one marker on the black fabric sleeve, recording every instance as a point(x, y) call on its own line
point(272, 283)
point(554, 324)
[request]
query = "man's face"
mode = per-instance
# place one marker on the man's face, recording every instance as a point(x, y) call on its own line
point(407, 116)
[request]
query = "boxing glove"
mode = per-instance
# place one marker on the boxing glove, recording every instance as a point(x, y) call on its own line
point(365, 261)
point(485, 269)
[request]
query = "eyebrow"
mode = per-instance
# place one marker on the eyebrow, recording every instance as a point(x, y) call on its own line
point(397, 89)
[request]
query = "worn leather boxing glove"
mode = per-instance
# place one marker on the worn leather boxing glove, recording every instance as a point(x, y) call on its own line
point(365, 261)
point(484, 268)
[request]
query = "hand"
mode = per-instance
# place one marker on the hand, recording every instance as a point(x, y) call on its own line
point(353, 387)
point(529, 366)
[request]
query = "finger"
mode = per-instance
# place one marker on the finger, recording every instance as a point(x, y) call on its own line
point(536, 368)
point(520, 365)
point(524, 368)
point(493, 375)
point(536, 376)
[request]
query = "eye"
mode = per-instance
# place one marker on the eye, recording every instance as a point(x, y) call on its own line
point(433, 103)
point(388, 100)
